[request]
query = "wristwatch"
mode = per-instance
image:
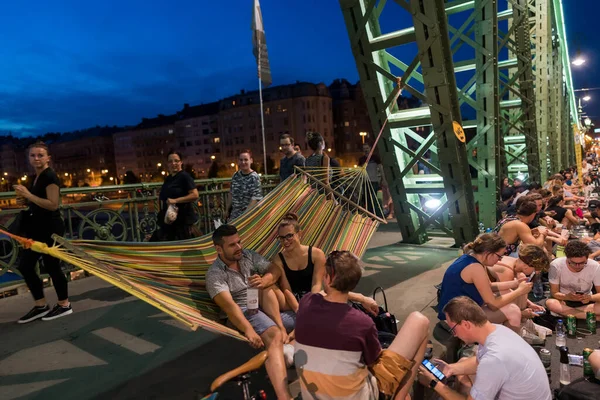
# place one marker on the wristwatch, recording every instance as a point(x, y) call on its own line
point(432, 383)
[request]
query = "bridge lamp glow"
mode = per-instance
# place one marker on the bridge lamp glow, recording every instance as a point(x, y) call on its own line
point(433, 203)
point(66, 174)
point(586, 98)
point(111, 178)
point(88, 170)
point(587, 122)
point(163, 173)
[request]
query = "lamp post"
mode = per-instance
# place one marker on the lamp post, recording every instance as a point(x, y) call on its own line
point(362, 135)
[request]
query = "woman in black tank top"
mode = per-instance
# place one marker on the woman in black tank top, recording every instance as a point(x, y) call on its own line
point(298, 269)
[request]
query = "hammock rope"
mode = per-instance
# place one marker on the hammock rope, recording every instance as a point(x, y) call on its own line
point(171, 275)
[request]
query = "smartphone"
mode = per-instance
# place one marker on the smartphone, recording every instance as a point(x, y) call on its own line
point(531, 277)
point(433, 369)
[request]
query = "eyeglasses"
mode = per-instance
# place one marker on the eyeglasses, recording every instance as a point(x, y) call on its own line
point(581, 264)
point(286, 237)
point(453, 328)
point(499, 256)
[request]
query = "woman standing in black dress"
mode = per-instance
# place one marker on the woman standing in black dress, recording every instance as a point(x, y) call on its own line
point(180, 190)
point(39, 223)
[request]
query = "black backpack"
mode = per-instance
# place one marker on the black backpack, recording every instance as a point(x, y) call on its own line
point(385, 322)
point(580, 389)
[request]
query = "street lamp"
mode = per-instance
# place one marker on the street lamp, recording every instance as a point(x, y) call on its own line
point(362, 135)
point(88, 170)
point(212, 157)
point(586, 97)
point(587, 121)
point(579, 60)
point(159, 165)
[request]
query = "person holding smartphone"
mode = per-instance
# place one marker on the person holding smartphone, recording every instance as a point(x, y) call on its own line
point(571, 281)
point(505, 366)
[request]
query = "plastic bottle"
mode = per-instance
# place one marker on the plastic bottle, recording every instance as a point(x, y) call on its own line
point(561, 334)
point(481, 227)
point(565, 374)
point(538, 287)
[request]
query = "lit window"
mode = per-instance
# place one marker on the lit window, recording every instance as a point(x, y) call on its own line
point(233, 103)
point(217, 140)
point(346, 123)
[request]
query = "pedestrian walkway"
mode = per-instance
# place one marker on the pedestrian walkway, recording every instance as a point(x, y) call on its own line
point(117, 347)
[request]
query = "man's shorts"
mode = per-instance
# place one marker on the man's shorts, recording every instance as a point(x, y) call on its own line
point(575, 304)
point(261, 322)
point(390, 369)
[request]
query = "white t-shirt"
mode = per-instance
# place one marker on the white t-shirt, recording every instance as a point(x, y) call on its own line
point(586, 169)
point(509, 369)
point(571, 282)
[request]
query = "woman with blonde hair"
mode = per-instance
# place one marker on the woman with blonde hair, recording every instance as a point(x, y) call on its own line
point(508, 272)
point(468, 276)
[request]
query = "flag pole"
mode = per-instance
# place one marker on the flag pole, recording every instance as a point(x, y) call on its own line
point(262, 116)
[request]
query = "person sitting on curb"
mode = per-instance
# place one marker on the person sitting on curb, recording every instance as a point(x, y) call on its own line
point(515, 229)
point(337, 351)
point(509, 272)
point(468, 276)
point(505, 367)
point(226, 283)
point(571, 281)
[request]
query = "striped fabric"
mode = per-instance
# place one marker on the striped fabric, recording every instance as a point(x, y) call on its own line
point(171, 275)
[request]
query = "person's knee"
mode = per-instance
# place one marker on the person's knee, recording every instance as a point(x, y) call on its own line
point(272, 337)
point(418, 322)
point(513, 313)
point(553, 305)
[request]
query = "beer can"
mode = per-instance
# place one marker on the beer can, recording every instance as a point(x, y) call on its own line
point(587, 367)
point(571, 325)
point(590, 319)
point(546, 358)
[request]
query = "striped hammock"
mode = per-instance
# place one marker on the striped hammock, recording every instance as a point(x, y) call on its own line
point(335, 210)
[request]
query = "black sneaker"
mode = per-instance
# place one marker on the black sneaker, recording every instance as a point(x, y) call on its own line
point(35, 313)
point(57, 312)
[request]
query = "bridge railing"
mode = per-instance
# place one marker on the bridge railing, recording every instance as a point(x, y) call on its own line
point(118, 212)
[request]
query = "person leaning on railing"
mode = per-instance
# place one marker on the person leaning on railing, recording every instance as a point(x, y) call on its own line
point(39, 223)
point(178, 190)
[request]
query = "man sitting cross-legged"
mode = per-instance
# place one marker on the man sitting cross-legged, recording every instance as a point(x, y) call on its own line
point(337, 353)
point(227, 285)
point(506, 367)
point(571, 281)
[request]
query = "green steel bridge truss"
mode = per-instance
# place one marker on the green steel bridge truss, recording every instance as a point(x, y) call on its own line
point(500, 68)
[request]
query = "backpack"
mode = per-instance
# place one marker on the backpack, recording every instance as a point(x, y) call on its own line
point(580, 389)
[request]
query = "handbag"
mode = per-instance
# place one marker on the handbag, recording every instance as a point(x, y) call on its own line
point(385, 321)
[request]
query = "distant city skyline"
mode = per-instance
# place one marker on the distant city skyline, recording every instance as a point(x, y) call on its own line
point(70, 65)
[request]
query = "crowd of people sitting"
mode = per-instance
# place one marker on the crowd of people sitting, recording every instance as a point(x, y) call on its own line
point(305, 317)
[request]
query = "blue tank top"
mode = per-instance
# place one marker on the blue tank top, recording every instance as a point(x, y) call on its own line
point(454, 286)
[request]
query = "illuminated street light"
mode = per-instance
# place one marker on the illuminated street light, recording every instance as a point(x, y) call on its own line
point(163, 173)
point(159, 165)
point(212, 157)
point(6, 174)
point(24, 178)
point(112, 179)
point(586, 97)
point(587, 122)
point(232, 165)
point(362, 135)
point(66, 174)
point(578, 61)
point(329, 149)
point(89, 170)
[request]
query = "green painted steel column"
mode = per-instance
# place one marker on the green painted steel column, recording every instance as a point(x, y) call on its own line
point(542, 63)
point(431, 32)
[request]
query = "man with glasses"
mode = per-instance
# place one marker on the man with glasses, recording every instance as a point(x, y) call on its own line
point(505, 366)
point(291, 157)
point(227, 284)
point(571, 281)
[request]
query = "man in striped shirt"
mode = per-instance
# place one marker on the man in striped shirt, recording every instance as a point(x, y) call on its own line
point(337, 353)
